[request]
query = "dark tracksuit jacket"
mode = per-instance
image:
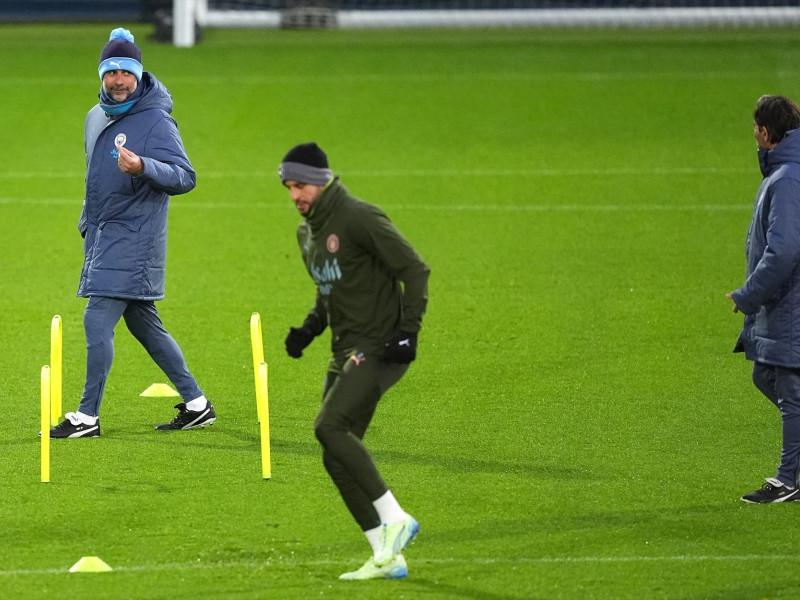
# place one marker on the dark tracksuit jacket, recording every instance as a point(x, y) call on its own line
point(770, 296)
point(371, 284)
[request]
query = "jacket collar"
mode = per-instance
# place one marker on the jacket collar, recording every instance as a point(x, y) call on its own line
point(326, 204)
point(787, 150)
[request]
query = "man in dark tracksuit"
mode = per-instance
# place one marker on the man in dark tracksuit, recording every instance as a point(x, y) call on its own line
point(372, 292)
point(770, 295)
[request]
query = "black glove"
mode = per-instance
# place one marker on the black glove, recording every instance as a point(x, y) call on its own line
point(298, 338)
point(402, 348)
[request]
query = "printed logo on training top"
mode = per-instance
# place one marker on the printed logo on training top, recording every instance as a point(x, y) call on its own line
point(325, 275)
point(332, 243)
point(120, 139)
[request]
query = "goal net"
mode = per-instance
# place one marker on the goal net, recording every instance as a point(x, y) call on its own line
point(188, 15)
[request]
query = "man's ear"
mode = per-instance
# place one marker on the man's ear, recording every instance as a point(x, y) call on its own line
point(764, 135)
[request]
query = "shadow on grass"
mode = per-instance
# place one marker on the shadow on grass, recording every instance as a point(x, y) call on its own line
point(248, 441)
point(436, 589)
point(776, 591)
point(662, 527)
point(472, 466)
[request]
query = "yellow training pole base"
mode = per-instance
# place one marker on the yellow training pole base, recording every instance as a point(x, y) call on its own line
point(45, 424)
point(262, 399)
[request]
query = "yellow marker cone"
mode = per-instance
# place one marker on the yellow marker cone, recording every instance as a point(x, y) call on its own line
point(90, 564)
point(159, 390)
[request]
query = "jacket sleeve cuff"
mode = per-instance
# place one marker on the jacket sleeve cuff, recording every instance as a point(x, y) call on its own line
point(744, 306)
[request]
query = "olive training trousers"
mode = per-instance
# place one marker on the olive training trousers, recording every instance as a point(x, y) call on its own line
point(349, 402)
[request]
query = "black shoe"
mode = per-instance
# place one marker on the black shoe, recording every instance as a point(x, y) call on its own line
point(188, 419)
point(773, 491)
point(71, 427)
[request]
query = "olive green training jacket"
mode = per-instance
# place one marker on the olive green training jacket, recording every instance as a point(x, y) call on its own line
point(371, 283)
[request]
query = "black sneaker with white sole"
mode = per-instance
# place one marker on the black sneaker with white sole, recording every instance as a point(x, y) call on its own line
point(72, 427)
point(189, 419)
point(773, 491)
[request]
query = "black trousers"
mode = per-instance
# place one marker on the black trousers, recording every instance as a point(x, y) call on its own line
point(350, 398)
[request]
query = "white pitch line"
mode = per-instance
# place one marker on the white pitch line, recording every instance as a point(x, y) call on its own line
point(614, 171)
point(498, 208)
point(433, 561)
point(273, 174)
point(570, 207)
point(431, 78)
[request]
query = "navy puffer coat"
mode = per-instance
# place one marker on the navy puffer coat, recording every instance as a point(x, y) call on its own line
point(770, 296)
point(124, 218)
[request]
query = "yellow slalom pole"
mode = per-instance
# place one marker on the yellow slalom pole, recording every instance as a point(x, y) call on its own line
point(262, 399)
point(45, 423)
point(55, 369)
point(257, 344)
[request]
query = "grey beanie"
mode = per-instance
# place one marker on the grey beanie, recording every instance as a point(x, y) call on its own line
point(305, 163)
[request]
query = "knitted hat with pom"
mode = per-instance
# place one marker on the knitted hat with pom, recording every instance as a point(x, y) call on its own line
point(120, 53)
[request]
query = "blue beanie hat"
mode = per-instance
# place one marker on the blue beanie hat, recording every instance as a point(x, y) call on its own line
point(120, 53)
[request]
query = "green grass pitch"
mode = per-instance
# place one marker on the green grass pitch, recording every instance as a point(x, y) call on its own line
point(575, 427)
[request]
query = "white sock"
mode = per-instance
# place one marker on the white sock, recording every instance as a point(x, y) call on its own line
point(82, 418)
point(197, 404)
point(374, 539)
point(388, 509)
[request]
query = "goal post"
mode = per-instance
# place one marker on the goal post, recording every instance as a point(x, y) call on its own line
point(187, 17)
point(191, 16)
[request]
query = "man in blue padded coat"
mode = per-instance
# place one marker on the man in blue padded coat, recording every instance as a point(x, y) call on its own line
point(770, 296)
point(135, 160)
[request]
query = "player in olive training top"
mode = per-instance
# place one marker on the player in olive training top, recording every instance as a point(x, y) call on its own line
point(372, 293)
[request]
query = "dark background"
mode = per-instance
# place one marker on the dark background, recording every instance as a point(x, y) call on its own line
point(144, 10)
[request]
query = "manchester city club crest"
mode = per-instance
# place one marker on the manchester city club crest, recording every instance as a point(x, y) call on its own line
point(332, 243)
point(120, 139)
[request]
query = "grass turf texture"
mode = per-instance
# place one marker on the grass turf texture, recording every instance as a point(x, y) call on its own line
point(575, 426)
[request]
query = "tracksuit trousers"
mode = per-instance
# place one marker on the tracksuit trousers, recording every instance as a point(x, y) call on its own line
point(141, 317)
point(782, 387)
point(350, 398)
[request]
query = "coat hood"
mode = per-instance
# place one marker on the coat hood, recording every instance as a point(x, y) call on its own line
point(787, 150)
point(154, 95)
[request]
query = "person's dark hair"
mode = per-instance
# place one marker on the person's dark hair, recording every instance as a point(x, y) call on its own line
point(778, 114)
